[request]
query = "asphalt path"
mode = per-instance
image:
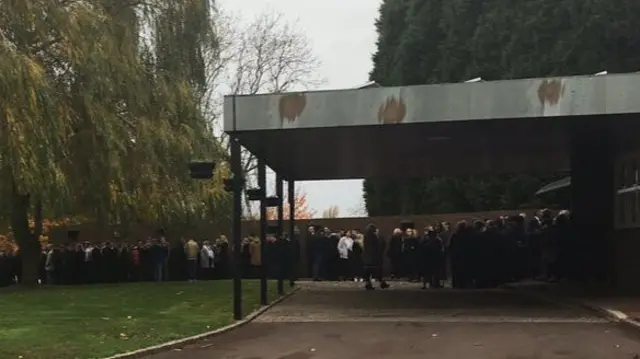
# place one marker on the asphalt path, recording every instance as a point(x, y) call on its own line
point(342, 321)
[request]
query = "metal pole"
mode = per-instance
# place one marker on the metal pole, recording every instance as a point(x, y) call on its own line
point(280, 194)
point(294, 251)
point(236, 168)
point(262, 183)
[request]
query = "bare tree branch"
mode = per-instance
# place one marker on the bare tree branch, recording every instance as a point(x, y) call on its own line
point(267, 55)
point(358, 210)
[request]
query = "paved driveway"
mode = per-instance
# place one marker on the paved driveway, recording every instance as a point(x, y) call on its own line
point(341, 321)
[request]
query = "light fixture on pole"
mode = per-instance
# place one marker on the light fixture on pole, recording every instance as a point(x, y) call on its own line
point(201, 169)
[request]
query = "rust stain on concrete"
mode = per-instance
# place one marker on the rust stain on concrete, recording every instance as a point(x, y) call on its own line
point(550, 91)
point(392, 111)
point(291, 106)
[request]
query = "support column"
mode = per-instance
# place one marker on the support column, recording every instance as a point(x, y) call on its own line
point(236, 168)
point(294, 249)
point(592, 205)
point(262, 184)
point(280, 194)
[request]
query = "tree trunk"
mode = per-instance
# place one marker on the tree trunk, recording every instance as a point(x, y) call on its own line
point(37, 218)
point(28, 243)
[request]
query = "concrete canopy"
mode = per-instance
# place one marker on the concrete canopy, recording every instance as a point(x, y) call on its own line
point(446, 129)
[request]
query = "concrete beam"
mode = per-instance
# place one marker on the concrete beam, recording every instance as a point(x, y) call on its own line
point(513, 99)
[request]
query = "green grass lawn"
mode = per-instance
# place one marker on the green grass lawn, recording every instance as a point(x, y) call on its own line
point(98, 321)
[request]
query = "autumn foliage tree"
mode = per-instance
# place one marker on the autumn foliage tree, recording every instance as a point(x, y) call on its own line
point(302, 210)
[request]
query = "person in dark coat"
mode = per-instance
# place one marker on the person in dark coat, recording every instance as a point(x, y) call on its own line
point(372, 256)
point(66, 264)
point(17, 266)
point(564, 241)
point(431, 258)
point(331, 254)
point(395, 253)
point(110, 263)
point(411, 254)
point(80, 265)
point(355, 258)
point(459, 251)
point(5, 269)
point(222, 245)
point(494, 254)
point(478, 255)
point(293, 256)
point(534, 235)
point(125, 264)
point(316, 245)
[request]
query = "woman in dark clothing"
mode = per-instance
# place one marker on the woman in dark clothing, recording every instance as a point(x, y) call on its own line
point(431, 258)
point(372, 254)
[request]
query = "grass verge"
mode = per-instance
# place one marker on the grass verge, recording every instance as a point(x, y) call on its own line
point(98, 321)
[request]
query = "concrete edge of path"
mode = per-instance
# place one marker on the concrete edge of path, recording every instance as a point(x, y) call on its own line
point(612, 315)
point(178, 343)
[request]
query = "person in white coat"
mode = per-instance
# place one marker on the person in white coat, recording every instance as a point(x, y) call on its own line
point(345, 246)
point(207, 260)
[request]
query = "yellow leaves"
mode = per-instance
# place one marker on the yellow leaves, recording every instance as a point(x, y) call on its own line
point(7, 244)
point(49, 224)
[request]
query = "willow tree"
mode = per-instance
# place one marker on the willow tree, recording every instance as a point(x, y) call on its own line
point(100, 112)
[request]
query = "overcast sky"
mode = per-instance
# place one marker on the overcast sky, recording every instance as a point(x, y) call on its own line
point(343, 36)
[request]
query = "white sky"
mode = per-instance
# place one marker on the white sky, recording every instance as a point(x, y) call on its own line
point(343, 37)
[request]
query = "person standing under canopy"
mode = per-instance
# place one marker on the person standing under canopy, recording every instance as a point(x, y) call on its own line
point(373, 251)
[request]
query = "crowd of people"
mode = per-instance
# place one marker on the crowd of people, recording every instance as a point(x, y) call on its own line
point(155, 259)
point(482, 254)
